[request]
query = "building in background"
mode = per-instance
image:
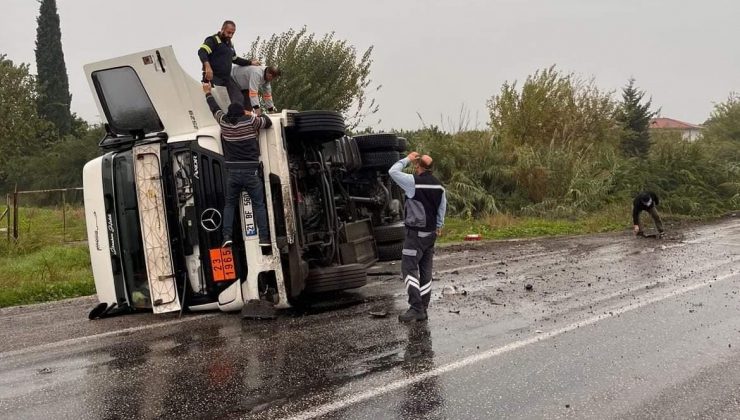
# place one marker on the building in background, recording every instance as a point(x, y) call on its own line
point(689, 132)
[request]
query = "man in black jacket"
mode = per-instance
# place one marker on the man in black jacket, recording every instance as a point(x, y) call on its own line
point(646, 201)
point(239, 137)
point(217, 54)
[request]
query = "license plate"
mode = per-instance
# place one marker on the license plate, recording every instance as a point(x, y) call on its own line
point(222, 264)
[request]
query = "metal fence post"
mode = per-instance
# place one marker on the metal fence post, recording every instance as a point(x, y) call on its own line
point(64, 215)
point(15, 213)
point(7, 209)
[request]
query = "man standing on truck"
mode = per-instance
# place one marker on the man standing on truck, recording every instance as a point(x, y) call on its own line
point(251, 81)
point(425, 208)
point(646, 201)
point(217, 53)
point(242, 154)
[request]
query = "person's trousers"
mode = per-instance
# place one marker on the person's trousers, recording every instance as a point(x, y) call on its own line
point(416, 267)
point(656, 218)
point(245, 180)
point(226, 92)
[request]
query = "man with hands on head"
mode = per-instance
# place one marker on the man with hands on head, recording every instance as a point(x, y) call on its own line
point(426, 204)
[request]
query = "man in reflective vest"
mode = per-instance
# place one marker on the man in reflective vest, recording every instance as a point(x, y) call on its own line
point(254, 80)
point(217, 54)
point(426, 204)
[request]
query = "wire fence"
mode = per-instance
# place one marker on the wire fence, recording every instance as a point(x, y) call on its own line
point(55, 215)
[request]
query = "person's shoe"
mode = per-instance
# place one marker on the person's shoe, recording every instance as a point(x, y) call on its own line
point(412, 315)
point(227, 243)
point(640, 233)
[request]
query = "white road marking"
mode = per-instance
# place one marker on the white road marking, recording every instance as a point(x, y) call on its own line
point(393, 386)
point(87, 338)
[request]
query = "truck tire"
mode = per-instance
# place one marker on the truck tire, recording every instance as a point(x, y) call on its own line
point(391, 251)
point(380, 160)
point(319, 126)
point(389, 233)
point(352, 159)
point(382, 141)
point(356, 156)
point(331, 279)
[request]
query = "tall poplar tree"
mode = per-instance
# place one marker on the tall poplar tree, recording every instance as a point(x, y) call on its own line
point(54, 98)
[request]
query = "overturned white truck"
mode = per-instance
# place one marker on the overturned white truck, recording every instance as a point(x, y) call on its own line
point(154, 200)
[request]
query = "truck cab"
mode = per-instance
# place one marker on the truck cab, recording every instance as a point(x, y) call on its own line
point(154, 200)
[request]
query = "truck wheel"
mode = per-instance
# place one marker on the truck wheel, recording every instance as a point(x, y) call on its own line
point(319, 126)
point(382, 141)
point(355, 150)
point(389, 233)
point(391, 251)
point(380, 160)
point(331, 279)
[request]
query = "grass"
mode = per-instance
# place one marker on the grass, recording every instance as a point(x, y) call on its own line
point(504, 226)
point(40, 267)
point(51, 273)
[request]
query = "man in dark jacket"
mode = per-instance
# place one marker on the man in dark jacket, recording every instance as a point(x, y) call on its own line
point(425, 208)
point(646, 201)
point(239, 135)
point(217, 54)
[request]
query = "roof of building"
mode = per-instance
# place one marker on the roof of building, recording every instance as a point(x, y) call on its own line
point(674, 124)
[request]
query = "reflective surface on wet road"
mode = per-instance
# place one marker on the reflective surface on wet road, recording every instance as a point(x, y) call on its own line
point(613, 327)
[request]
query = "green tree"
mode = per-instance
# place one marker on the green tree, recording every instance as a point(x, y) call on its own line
point(556, 141)
point(22, 132)
point(54, 98)
point(552, 108)
point(319, 73)
point(724, 122)
point(634, 117)
point(59, 165)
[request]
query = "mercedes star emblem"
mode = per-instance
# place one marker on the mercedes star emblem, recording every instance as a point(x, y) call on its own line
point(210, 219)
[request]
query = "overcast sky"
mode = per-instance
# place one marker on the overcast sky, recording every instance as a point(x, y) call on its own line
point(431, 57)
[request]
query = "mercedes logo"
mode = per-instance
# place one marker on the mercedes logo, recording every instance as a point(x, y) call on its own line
point(210, 219)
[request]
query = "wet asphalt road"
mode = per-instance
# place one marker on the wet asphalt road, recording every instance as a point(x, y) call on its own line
point(614, 327)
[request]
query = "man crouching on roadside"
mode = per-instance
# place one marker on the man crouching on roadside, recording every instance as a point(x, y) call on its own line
point(426, 204)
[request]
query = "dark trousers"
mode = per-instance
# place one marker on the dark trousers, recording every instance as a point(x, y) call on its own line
point(235, 93)
point(656, 218)
point(246, 180)
point(416, 267)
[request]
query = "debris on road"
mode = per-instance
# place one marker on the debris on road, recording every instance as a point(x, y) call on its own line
point(529, 287)
point(378, 314)
point(456, 311)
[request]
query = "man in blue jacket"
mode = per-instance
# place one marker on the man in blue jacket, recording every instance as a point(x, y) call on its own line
point(426, 204)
